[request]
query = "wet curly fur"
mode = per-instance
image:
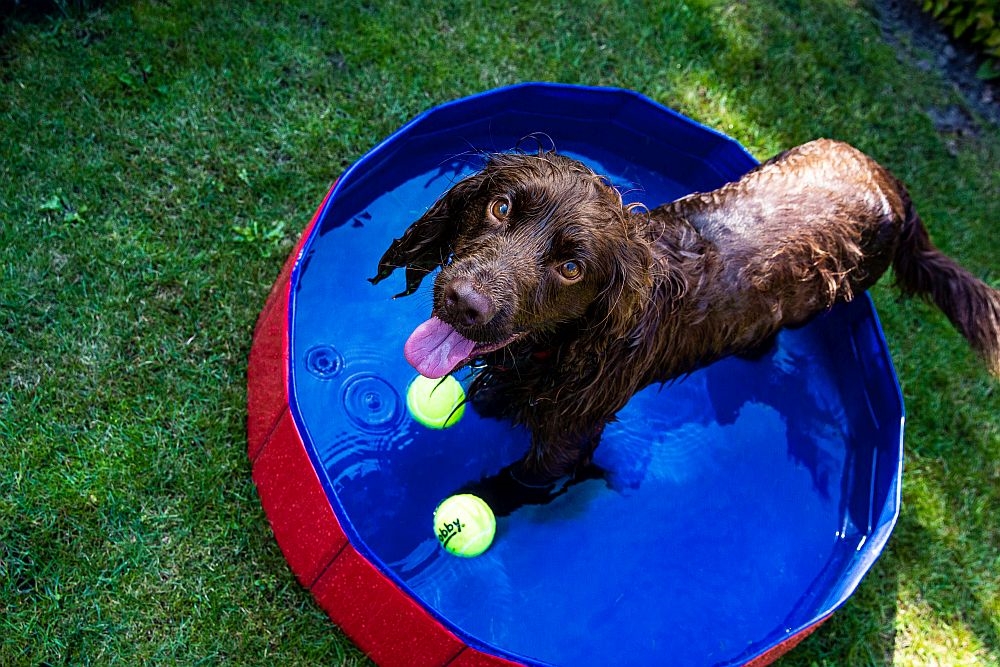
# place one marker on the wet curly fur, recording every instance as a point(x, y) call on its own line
point(591, 300)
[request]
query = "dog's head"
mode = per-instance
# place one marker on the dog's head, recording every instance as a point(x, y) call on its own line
point(528, 245)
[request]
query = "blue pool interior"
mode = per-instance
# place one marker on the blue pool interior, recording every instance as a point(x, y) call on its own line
point(739, 505)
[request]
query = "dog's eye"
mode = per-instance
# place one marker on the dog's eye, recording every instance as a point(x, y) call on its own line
point(571, 270)
point(500, 208)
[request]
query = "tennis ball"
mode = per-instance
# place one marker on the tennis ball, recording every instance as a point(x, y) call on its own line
point(465, 525)
point(436, 403)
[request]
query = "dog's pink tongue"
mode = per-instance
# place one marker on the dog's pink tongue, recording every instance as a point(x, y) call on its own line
point(435, 348)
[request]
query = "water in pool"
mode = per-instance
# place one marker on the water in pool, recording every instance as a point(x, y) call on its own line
point(722, 505)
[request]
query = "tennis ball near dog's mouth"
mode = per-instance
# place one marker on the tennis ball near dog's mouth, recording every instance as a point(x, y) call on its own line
point(465, 525)
point(436, 403)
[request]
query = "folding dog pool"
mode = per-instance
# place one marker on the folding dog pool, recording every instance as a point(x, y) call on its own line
point(741, 505)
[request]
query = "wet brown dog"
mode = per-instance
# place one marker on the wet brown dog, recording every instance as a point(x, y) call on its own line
point(575, 302)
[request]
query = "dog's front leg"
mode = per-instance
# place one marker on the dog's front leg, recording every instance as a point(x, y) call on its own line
point(536, 479)
point(559, 446)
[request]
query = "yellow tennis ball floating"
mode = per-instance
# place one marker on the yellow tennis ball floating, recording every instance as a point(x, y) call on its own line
point(465, 525)
point(436, 403)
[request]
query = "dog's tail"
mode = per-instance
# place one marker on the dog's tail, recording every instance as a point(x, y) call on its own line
point(972, 306)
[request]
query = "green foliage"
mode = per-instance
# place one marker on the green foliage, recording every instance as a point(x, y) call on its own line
point(975, 20)
point(62, 209)
point(268, 239)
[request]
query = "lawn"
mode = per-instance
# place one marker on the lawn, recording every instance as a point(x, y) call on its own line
point(157, 161)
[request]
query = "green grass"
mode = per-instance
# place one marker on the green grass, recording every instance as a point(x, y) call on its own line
point(157, 160)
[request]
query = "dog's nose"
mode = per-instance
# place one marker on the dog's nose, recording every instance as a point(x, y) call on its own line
point(466, 304)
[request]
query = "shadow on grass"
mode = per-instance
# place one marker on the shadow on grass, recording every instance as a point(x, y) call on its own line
point(27, 11)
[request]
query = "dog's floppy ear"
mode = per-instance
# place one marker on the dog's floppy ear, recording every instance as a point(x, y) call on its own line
point(620, 303)
point(426, 244)
point(629, 270)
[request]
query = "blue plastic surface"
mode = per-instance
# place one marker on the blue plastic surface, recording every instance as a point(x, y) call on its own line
point(741, 504)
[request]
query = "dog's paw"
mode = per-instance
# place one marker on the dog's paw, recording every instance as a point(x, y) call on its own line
point(491, 403)
point(515, 486)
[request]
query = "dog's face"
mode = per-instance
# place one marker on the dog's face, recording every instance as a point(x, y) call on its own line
point(529, 244)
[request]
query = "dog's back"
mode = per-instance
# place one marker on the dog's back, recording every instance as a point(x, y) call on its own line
point(821, 223)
